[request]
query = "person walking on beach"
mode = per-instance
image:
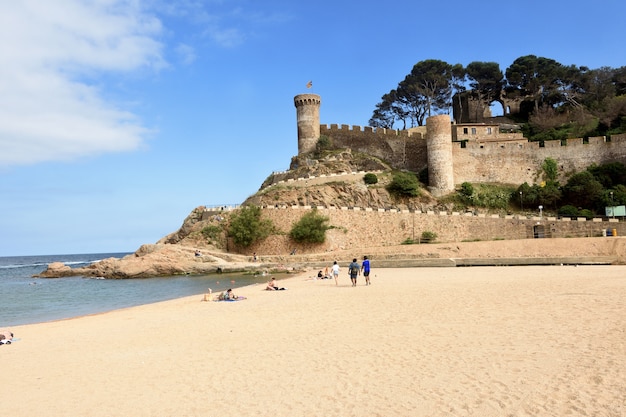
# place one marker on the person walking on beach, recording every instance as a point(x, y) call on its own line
point(336, 272)
point(354, 269)
point(365, 267)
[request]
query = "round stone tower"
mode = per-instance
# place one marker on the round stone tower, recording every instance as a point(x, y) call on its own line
point(439, 151)
point(308, 112)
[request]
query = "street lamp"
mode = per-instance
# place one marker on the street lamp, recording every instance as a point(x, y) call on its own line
point(612, 206)
point(541, 212)
point(521, 202)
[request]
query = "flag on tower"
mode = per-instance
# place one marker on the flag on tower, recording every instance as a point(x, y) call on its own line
point(309, 84)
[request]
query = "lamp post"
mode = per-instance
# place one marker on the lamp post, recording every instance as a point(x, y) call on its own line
point(612, 206)
point(541, 212)
point(521, 201)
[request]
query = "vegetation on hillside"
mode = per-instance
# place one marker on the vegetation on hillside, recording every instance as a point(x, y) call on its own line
point(246, 226)
point(311, 228)
point(586, 193)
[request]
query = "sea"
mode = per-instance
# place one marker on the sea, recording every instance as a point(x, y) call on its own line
point(28, 300)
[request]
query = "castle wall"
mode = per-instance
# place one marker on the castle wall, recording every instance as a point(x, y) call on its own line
point(511, 161)
point(486, 157)
point(400, 149)
point(365, 227)
point(516, 163)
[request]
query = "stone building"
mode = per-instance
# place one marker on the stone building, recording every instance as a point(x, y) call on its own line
point(457, 153)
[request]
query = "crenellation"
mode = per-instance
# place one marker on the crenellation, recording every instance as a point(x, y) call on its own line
point(621, 138)
point(596, 140)
point(552, 144)
point(480, 154)
point(574, 142)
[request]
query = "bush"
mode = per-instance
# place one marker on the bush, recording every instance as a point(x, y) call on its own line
point(247, 227)
point(428, 237)
point(211, 232)
point(404, 184)
point(370, 178)
point(311, 228)
point(568, 211)
point(467, 189)
point(324, 143)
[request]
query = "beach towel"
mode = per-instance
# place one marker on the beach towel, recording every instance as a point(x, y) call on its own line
point(239, 298)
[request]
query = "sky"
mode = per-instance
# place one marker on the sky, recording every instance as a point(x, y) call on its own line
point(119, 117)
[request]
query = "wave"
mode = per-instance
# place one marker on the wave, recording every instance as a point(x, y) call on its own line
point(15, 262)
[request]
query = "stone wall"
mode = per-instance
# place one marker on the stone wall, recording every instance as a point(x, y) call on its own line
point(508, 162)
point(401, 149)
point(516, 163)
point(360, 228)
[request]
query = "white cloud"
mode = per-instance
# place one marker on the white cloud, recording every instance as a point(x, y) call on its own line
point(186, 53)
point(48, 111)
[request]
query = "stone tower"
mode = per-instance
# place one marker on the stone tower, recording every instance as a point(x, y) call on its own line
point(308, 113)
point(439, 151)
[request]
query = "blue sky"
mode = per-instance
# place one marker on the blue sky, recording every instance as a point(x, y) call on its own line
point(119, 117)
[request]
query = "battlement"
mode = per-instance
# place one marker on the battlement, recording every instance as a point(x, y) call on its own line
point(334, 129)
point(307, 99)
point(457, 153)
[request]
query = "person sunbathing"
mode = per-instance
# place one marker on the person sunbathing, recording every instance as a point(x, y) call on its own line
point(271, 286)
point(228, 295)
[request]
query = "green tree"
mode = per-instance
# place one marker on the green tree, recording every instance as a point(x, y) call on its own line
point(537, 77)
point(549, 194)
point(390, 110)
point(582, 190)
point(247, 227)
point(429, 83)
point(486, 79)
point(609, 174)
point(311, 228)
point(550, 169)
point(404, 184)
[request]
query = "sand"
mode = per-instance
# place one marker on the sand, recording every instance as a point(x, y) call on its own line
point(483, 341)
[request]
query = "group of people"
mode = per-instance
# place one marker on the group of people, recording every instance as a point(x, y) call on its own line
point(354, 270)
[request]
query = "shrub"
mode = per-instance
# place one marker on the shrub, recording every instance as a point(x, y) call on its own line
point(550, 169)
point(324, 143)
point(404, 184)
point(211, 232)
point(586, 213)
point(370, 178)
point(428, 237)
point(568, 211)
point(467, 189)
point(311, 228)
point(247, 227)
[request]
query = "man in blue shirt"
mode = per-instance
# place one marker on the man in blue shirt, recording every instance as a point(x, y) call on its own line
point(366, 270)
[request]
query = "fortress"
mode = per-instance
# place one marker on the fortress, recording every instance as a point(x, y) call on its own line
point(457, 153)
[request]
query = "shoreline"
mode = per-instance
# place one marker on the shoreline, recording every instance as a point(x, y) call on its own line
point(533, 340)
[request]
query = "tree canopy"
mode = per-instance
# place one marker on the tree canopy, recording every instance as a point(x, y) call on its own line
point(562, 100)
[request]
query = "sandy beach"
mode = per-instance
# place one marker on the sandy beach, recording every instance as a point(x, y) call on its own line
point(481, 341)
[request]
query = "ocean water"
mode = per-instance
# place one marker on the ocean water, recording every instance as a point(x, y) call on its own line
point(27, 300)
